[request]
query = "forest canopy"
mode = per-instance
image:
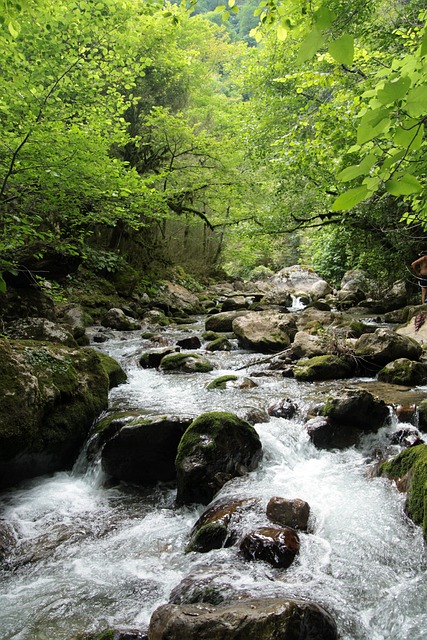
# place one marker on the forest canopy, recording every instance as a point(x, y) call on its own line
point(232, 136)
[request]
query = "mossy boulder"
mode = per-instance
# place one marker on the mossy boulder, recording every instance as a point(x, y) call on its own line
point(219, 344)
point(116, 375)
point(185, 363)
point(410, 466)
point(51, 395)
point(216, 447)
point(403, 371)
point(326, 367)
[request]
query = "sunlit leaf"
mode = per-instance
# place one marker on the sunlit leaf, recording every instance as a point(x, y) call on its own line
point(404, 185)
point(416, 104)
point(323, 18)
point(310, 45)
point(350, 198)
point(282, 33)
point(395, 90)
point(342, 50)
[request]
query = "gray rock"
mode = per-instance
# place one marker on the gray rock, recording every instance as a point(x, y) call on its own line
point(265, 331)
point(117, 319)
point(384, 346)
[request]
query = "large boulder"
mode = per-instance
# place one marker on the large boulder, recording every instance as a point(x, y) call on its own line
point(251, 619)
point(416, 326)
point(223, 322)
point(141, 449)
point(409, 471)
point(297, 280)
point(29, 302)
point(40, 329)
point(265, 331)
point(384, 346)
point(117, 319)
point(173, 298)
point(306, 345)
point(216, 447)
point(51, 395)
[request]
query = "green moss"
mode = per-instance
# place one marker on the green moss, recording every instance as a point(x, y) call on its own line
point(219, 344)
point(179, 362)
point(208, 425)
point(115, 373)
point(413, 459)
point(326, 367)
point(210, 536)
point(221, 382)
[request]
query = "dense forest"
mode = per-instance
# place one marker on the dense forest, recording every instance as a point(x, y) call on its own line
point(212, 138)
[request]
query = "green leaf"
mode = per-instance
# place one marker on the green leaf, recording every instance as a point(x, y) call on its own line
point(323, 18)
point(342, 50)
point(372, 124)
point(311, 43)
point(395, 157)
point(395, 90)
point(416, 104)
point(14, 29)
point(409, 138)
point(405, 185)
point(2, 284)
point(350, 198)
point(282, 33)
point(424, 44)
point(356, 170)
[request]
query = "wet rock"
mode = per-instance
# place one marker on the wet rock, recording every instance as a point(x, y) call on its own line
point(116, 375)
point(283, 408)
point(406, 413)
point(327, 367)
point(384, 346)
point(217, 527)
point(356, 407)
point(192, 342)
point(118, 320)
point(7, 541)
point(406, 437)
point(142, 450)
point(231, 382)
point(40, 329)
point(219, 344)
point(210, 584)
point(289, 513)
point(216, 447)
point(186, 363)
point(411, 466)
point(256, 416)
point(403, 371)
point(113, 634)
point(152, 358)
point(278, 547)
point(251, 619)
point(265, 331)
point(223, 322)
point(51, 395)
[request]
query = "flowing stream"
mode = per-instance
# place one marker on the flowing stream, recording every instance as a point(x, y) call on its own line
point(92, 555)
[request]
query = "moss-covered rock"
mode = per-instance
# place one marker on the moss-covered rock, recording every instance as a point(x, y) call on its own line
point(326, 367)
point(186, 363)
point(219, 344)
point(403, 371)
point(411, 465)
point(51, 395)
point(116, 375)
point(216, 447)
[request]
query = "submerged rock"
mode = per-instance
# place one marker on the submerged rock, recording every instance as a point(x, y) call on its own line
point(249, 619)
point(216, 447)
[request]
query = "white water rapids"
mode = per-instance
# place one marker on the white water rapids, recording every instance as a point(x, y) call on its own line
point(92, 556)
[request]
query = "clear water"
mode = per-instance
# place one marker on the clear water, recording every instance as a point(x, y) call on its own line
point(92, 556)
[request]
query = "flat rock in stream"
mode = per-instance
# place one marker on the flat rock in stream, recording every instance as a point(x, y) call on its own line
point(251, 619)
